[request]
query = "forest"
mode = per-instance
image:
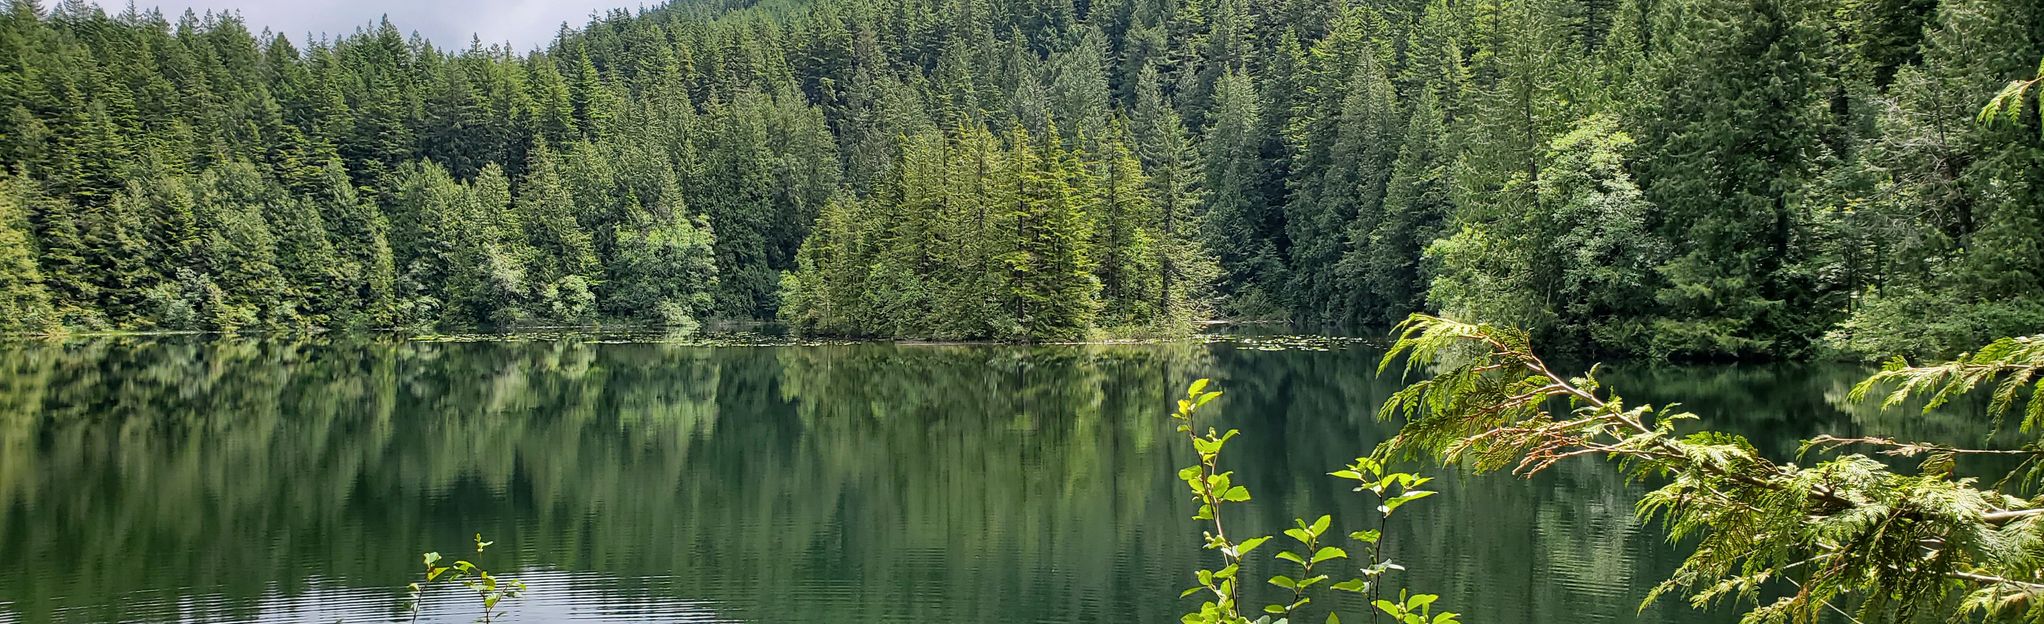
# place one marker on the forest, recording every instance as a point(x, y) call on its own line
point(1685, 179)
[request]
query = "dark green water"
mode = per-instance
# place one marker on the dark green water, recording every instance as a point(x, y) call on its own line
point(265, 480)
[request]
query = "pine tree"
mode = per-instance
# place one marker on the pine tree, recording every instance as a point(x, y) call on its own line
point(1243, 229)
point(237, 251)
point(313, 286)
point(970, 238)
point(826, 291)
point(488, 281)
point(1185, 271)
point(24, 302)
point(1125, 245)
point(365, 263)
point(1054, 287)
point(1350, 197)
point(1383, 253)
point(563, 257)
point(1734, 136)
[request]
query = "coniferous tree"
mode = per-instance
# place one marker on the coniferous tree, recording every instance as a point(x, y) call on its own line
point(1806, 163)
point(1243, 229)
point(1185, 271)
point(1054, 286)
point(1383, 253)
point(1735, 135)
point(1351, 186)
point(1125, 243)
point(24, 302)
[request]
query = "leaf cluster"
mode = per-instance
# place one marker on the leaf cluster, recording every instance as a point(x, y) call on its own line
point(1787, 541)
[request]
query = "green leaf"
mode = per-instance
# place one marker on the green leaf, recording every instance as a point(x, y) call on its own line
point(1353, 585)
point(1333, 619)
point(1249, 545)
point(1273, 609)
point(1284, 581)
point(432, 558)
point(1392, 504)
point(1192, 591)
point(1228, 572)
point(1300, 535)
point(1320, 526)
point(1368, 537)
point(1329, 552)
point(1198, 386)
point(1236, 494)
point(1292, 557)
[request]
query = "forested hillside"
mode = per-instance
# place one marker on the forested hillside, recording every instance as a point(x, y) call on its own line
point(1675, 178)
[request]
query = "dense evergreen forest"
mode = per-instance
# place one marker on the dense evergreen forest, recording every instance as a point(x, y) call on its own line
point(1674, 178)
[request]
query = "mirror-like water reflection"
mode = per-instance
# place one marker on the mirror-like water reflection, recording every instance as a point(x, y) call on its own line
point(243, 479)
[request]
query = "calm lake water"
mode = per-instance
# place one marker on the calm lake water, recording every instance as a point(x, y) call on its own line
point(192, 479)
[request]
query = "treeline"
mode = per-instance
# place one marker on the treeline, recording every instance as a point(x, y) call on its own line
point(1679, 178)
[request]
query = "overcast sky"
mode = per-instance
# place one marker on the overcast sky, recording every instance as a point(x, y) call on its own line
point(447, 23)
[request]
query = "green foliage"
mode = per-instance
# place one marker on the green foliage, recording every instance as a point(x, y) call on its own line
point(2007, 105)
point(1848, 532)
point(24, 301)
point(1214, 490)
point(665, 270)
point(2010, 364)
point(1803, 170)
point(489, 590)
point(1580, 271)
point(972, 237)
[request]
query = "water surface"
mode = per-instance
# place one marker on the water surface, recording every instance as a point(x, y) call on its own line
point(195, 479)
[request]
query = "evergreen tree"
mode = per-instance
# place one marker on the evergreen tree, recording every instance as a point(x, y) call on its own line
point(24, 302)
point(1185, 271)
point(1733, 138)
point(1350, 196)
point(364, 262)
point(237, 252)
point(1243, 229)
point(1810, 166)
point(1123, 238)
point(562, 258)
point(1053, 283)
point(1383, 253)
point(970, 238)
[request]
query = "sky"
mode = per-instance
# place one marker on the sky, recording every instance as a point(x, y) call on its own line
point(526, 24)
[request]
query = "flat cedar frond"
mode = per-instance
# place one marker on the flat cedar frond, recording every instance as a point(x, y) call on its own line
point(1845, 532)
point(2010, 364)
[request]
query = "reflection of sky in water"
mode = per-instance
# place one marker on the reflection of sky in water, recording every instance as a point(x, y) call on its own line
point(557, 597)
point(245, 480)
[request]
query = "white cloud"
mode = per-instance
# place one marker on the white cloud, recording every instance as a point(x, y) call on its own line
point(525, 24)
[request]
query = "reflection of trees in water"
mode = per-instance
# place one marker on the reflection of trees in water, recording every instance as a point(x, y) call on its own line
point(834, 483)
point(1778, 406)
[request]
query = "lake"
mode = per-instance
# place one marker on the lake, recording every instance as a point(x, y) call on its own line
point(626, 478)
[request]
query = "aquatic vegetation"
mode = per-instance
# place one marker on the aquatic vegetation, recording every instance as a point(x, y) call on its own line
point(489, 589)
point(1215, 489)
